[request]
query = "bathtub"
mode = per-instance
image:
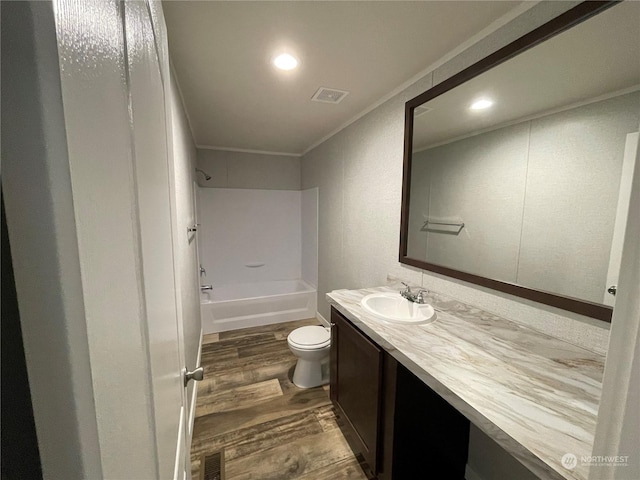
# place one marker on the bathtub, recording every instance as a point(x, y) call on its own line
point(231, 307)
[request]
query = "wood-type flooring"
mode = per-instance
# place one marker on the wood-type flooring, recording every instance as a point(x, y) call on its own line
point(269, 428)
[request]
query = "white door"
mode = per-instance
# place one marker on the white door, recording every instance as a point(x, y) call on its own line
point(622, 213)
point(181, 153)
point(154, 171)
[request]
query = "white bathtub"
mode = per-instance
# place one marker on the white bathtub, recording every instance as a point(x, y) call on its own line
point(231, 307)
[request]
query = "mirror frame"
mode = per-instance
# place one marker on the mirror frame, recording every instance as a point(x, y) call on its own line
point(563, 22)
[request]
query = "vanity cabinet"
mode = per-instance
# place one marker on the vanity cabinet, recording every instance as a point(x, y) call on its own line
point(395, 424)
point(356, 388)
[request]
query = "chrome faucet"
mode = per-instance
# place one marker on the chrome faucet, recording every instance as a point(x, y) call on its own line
point(206, 287)
point(417, 297)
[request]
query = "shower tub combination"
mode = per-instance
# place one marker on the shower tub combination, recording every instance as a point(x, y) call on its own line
point(231, 307)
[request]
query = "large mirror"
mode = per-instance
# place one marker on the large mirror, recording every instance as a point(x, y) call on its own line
point(518, 169)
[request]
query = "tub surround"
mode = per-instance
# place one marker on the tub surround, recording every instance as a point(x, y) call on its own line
point(232, 307)
point(260, 252)
point(535, 395)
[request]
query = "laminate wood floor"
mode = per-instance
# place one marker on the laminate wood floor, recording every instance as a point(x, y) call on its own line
point(269, 428)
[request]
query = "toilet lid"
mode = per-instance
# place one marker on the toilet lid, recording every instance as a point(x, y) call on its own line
point(312, 336)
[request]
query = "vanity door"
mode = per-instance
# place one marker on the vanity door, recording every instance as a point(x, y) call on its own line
point(356, 387)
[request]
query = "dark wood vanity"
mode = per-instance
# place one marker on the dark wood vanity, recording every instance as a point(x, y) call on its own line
point(395, 424)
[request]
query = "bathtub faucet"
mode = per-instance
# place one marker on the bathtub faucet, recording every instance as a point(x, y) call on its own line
point(205, 287)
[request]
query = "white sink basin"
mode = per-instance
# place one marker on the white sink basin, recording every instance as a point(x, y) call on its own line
point(392, 307)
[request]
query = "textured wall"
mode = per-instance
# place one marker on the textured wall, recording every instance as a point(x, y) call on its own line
point(359, 175)
point(248, 170)
point(573, 183)
point(480, 181)
point(420, 193)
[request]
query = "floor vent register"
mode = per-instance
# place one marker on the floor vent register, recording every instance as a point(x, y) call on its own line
point(212, 466)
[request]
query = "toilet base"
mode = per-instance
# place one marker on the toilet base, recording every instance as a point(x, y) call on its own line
point(310, 373)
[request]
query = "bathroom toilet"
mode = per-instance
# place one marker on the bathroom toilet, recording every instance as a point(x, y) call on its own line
point(311, 346)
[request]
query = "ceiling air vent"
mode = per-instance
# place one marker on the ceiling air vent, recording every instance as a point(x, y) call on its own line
point(329, 95)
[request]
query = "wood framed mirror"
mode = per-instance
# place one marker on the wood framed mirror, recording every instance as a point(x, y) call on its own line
point(517, 170)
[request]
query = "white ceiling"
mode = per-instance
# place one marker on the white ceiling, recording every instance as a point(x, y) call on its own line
point(596, 58)
point(235, 99)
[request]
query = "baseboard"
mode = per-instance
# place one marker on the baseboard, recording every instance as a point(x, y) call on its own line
point(322, 320)
point(469, 474)
point(194, 397)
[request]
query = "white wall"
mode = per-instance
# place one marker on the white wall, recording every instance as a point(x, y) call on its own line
point(242, 226)
point(309, 227)
point(530, 196)
point(248, 170)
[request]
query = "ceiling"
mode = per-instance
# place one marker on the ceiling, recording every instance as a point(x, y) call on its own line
point(596, 58)
point(235, 98)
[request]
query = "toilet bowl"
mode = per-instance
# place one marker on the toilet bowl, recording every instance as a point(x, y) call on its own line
point(311, 346)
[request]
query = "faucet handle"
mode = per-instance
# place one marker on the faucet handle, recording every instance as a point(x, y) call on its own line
point(408, 288)
point(420, 295)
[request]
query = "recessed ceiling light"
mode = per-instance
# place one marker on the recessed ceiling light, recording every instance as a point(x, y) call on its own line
point(285, 62)
point(481, 104)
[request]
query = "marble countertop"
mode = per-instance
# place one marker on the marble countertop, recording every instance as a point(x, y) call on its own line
point(533, 394)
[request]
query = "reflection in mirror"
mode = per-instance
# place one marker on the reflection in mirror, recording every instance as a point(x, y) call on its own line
point(522, 174)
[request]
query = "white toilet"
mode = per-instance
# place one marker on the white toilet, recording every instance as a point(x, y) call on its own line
point(311, 345)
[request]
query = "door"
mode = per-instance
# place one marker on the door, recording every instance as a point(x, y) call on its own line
point(181, 173)
point(192, 325)
point(622, 213)
point(153, 170)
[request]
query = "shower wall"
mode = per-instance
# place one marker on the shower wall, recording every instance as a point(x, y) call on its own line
point(249, 235)
point(256, 223)
point(309, 226)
